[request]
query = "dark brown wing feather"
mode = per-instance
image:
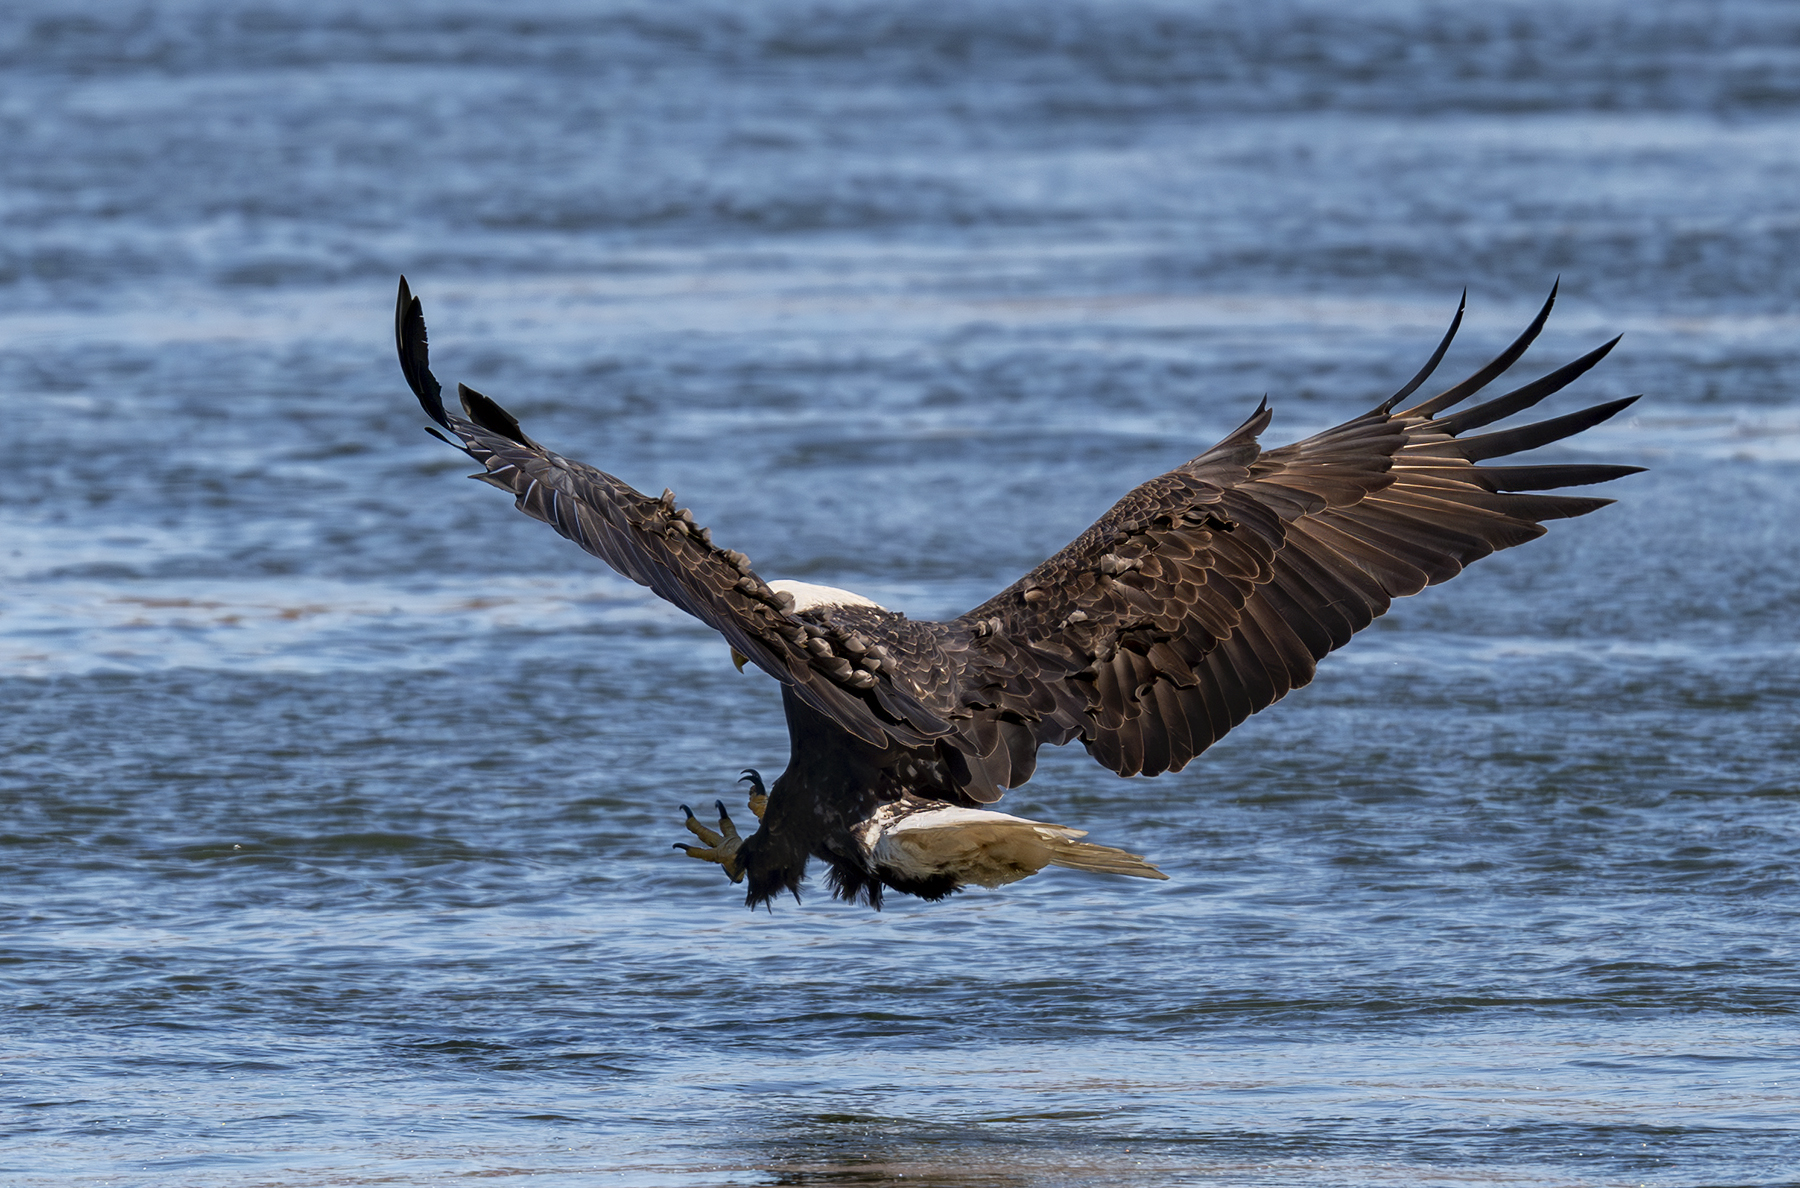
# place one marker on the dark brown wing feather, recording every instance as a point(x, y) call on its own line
point(658, 545)
point(1210, 592)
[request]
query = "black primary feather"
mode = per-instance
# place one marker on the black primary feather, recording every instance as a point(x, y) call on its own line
point(1495, 366)
point(1431, 364)
point(415, 354)
point(491, 416)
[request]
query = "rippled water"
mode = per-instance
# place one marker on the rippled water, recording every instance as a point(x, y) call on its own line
point(338, 797)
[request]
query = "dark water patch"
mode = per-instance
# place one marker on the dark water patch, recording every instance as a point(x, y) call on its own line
point(1512, 58)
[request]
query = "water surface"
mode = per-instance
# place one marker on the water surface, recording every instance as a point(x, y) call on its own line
point(337, 797)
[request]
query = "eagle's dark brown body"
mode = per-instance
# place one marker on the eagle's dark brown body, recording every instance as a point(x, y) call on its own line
point(833, 782)
point(1203, 596)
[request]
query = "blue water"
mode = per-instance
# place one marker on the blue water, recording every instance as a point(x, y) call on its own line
point(336, 798)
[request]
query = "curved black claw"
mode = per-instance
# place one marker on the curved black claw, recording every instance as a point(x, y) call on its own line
point(759, 794)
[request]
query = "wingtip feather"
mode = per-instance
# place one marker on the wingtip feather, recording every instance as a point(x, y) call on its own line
point(1457, 393)
point(1540, 433)
point(1524, 397)
point(490, 416)
point(411, 343)
point(1437, 357)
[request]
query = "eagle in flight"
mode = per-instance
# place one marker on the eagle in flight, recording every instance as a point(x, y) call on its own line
point(1202, 596)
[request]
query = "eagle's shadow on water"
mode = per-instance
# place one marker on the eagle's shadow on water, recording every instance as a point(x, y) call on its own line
point(869, 1149)
point(898, 1173)
point(1075, 1148)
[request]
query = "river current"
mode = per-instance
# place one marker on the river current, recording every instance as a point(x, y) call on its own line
point(336, 798)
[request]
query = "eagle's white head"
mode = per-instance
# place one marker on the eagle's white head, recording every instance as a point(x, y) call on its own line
point(807, 596)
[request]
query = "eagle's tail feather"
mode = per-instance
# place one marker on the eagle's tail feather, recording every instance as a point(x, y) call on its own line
point(912, 845)
point(1080, 855)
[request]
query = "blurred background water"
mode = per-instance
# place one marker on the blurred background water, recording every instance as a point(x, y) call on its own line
point(337, 797)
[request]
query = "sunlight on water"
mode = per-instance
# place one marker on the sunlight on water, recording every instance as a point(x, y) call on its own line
point(305, 626)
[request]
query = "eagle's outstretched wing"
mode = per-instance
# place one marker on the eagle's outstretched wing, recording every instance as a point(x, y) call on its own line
point(1203, 596)
point(658, 545)
point(1209, 592)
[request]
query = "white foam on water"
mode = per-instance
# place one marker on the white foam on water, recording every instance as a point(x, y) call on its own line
point(306, 625)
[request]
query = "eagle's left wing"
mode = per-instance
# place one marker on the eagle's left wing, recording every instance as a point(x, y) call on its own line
point(1209, 592)
point(658, 545)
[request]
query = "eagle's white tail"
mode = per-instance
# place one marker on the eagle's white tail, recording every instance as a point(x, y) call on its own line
point(982, 847)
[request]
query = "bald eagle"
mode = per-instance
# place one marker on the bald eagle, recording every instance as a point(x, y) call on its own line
point(1201, 597)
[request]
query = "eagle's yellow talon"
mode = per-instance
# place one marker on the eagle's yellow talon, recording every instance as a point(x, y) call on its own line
point(698, 830)
point(721, 846)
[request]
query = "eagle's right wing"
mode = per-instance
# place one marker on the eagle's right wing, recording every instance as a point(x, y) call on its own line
point(1209, 592)
point(658, 545)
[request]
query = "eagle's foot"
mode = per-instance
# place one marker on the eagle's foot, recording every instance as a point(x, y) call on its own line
point(720, 846)
point(759, 795)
